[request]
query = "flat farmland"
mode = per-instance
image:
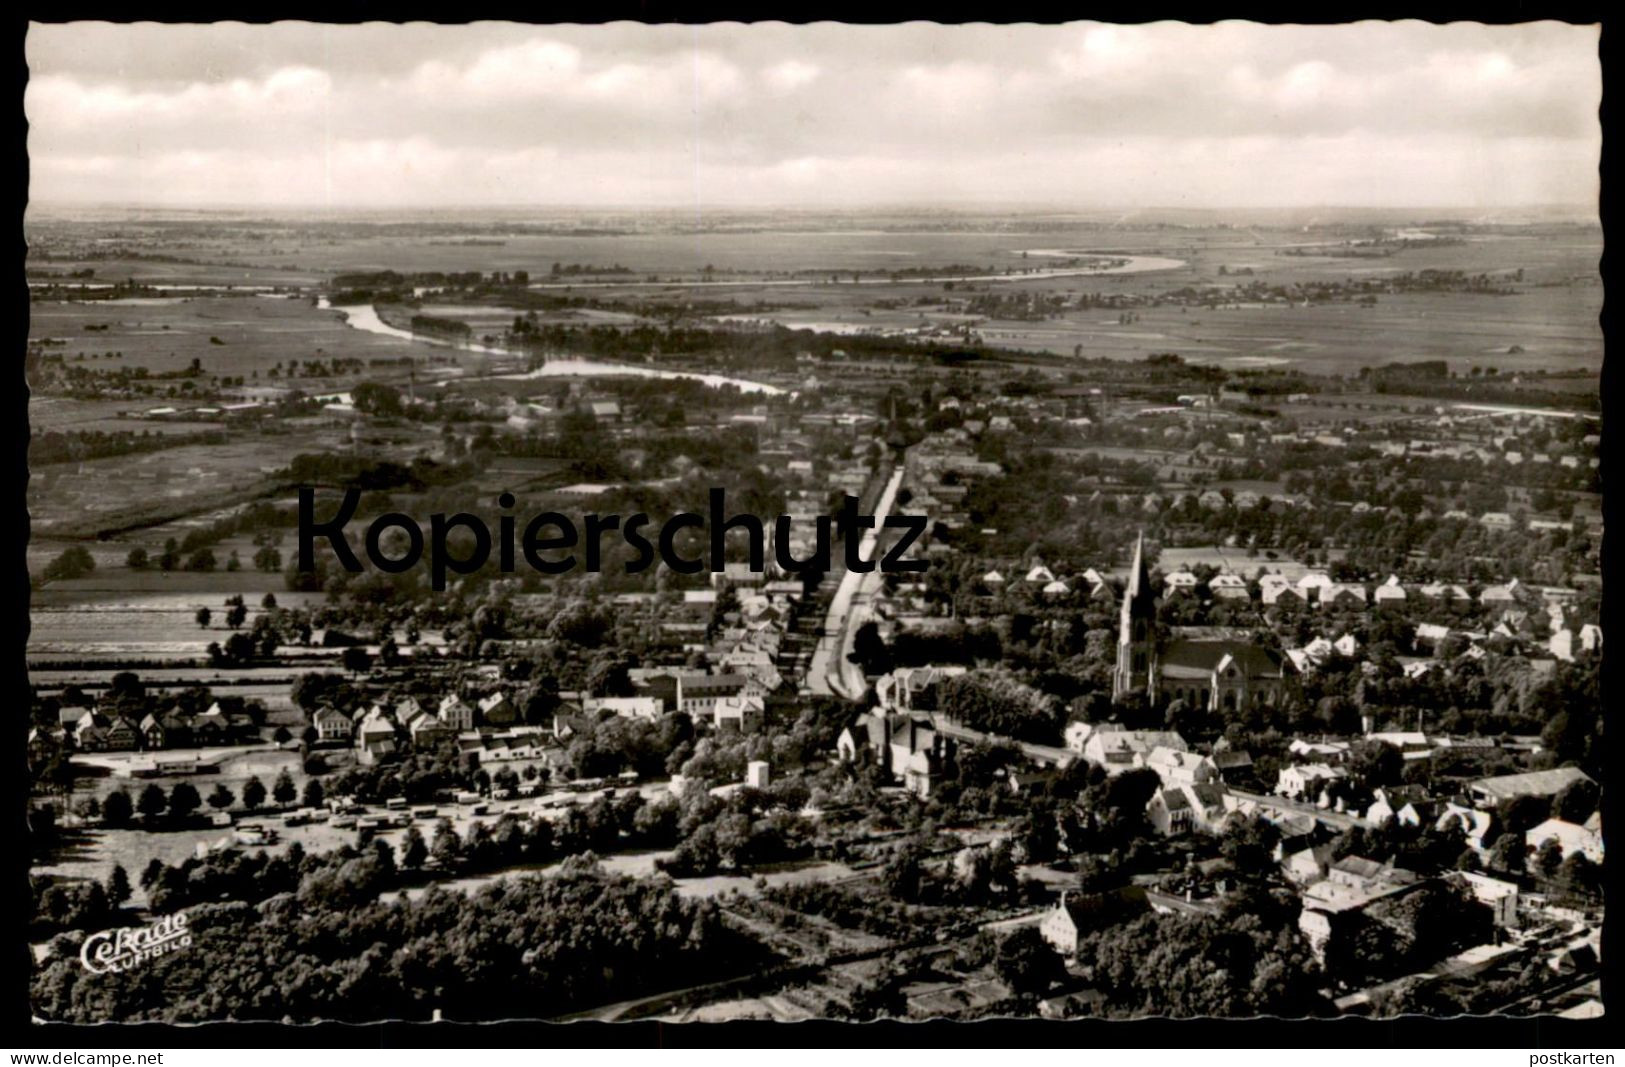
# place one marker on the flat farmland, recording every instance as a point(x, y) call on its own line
point(144, 489)
point(1556, 328)
point(119, 613)
point(60, 414)
point(257, 333)
point(1236, 560)
point(142, 626)
point(757, 250)
point(159, 272)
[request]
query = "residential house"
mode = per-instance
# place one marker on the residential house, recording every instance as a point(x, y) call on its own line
point(121, 735)
point(1119, 750)
point(649, 709)
point(1186, 808)
point(1406, 806)
point(332, 725)
point(1170, 812)
point(1272, 586)
point(1040, 575)
point(45, 742)
point(1389, 593)
point(211, 727)
point(153, 733)
point(1343, 595)
point(1307, 865)
point(90, 733)
point(456, 714)
point(1305, 781)
point(1313, 583)
point(1076, 915)
point(1181, 581)
point(1570, 838)
point(497, 710)
point(374, 726)
point(1228, 587)
point(746, 714)
point(1232, 766)
point(1176, 767)
point(699, 694)
point(427, 731)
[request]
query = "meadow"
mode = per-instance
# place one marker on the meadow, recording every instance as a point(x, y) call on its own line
point(255, 333)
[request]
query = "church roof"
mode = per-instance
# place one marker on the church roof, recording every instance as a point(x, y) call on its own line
point(1182, 656)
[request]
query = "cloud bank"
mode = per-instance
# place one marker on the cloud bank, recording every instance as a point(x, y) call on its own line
point(1083, 115)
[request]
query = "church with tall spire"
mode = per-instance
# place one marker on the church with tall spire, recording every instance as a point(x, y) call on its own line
point(1136, 642)
point(1204, 666)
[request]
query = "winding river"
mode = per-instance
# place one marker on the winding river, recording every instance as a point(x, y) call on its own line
point(365, 317)
point(1129, 265)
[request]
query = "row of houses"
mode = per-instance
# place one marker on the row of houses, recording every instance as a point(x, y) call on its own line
point(85, 729)
point(378, 731)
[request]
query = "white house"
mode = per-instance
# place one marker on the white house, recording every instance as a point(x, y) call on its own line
point(456, 714)
point(332, 725)
point(1306, 780)
point(1389, 592)
point(1572, 838)
point(1178, 768)
point(1181, 581)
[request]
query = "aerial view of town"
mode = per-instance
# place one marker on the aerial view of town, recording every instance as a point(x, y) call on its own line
point(1249, 665)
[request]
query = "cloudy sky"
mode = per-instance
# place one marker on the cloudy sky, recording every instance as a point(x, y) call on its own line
point(1082, 115)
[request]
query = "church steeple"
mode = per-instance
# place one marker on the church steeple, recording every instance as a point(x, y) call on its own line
point(1136, 651)
point(1139, 579)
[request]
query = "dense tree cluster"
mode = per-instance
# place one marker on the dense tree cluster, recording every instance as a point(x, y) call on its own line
point(1251, 961)
point(514, 949)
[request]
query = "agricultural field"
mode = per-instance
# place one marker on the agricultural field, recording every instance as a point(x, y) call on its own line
point(233, 336)
point(1236, 560)
point(76, 500)
point(77, 623)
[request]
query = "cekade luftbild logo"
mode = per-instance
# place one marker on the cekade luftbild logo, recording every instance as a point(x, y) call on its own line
point(128, 947)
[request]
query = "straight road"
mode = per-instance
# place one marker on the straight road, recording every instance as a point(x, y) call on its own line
point(831, 673)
